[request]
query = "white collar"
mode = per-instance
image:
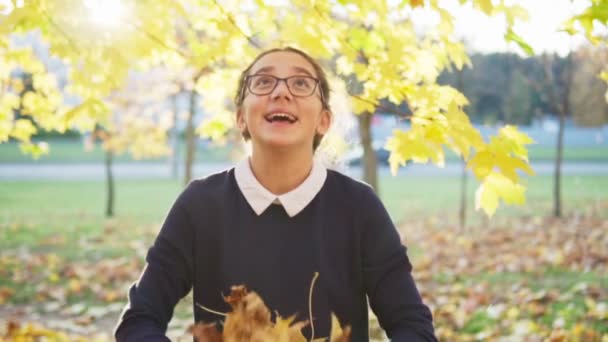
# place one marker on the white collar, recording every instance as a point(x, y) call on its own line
point(259, 198)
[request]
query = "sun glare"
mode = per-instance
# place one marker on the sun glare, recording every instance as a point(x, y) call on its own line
point(7, 6)
point(106, 12)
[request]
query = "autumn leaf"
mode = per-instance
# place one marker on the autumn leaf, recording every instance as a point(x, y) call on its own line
point(250, 320)
point(205, 332)
point(417, 3)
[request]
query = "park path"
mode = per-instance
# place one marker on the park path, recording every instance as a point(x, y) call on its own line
point(152, 170)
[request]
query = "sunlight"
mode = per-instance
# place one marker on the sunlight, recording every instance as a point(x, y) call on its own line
point(106, 12)
point(7, 6)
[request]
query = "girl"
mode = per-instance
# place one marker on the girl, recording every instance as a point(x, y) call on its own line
point(278, 219)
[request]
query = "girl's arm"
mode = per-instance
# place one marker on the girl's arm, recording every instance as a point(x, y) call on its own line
point(164, 281)
point(390, 287)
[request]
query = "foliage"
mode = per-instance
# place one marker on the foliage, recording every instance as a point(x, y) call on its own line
point(588, 93)
point(374, 41)
point(508, 88)
point(595, 15)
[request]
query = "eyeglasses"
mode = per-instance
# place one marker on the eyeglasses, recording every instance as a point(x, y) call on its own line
point(300, 86)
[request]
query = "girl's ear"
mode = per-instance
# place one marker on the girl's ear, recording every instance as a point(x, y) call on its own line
point(240, 121)
point(324, 122)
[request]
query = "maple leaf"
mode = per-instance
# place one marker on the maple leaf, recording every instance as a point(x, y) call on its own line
point(250, 320)
point(417, 3)
point(205, 332)
point(236, 295)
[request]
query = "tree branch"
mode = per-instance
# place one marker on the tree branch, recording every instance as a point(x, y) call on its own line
point(61, 31)
point(231, 19)
point(399, 115)
point(160, 42)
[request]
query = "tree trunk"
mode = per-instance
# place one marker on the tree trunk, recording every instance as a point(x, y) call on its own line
point(173, 160)
point(564, 110)
point(369, 162)
point(562, 106)
point(109, 184)
point(462, 215)
point(190, 139)
point(557, 196)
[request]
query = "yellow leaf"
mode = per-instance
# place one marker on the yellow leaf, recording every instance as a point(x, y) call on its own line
point(481, 164)
point(417, 3)
point(23, 130)
point(53, 277)
point(5, 130)
point(510, 35)
point(336, 329)
point(361, 106)
point(284, 330)
point(485, 5)
point(508, 166)
point(75, 285)
point(44, 82)
point(512, 313)
point(344, 66)
point(486, 199)
point(496, 186)
point(214, 128)
point(35, 150)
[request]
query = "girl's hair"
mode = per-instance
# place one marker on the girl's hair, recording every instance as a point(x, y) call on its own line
point(323, 85)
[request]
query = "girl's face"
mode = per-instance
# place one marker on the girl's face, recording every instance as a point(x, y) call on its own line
point(280, 119)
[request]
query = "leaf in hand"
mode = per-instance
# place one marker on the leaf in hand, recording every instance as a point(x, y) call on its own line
point(250, 320)
point(205, 332)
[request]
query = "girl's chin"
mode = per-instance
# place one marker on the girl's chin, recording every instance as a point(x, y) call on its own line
point(281, 143)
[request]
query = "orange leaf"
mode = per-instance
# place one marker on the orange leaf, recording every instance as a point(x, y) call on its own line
point(417, 3)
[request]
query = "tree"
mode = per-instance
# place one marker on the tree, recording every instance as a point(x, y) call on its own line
point(375, 41)
point(597, 12)
point(561, 105)
point(587, 97)
point(138, 126)
point(593, 16)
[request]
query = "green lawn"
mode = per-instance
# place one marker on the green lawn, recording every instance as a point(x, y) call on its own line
point(147, 201)
point(419, 197)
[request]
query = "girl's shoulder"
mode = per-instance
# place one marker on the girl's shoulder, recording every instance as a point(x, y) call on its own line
point(212, 184)
point(346, 185)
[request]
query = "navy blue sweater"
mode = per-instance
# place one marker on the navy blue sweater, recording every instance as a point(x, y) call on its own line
point(212, 239)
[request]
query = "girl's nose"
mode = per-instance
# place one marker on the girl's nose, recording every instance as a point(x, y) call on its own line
point(281, 90)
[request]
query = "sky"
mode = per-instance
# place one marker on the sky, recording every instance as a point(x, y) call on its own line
point(483, 34)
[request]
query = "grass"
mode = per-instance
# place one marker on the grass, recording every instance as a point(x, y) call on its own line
point(70, 211)
point(34, 211)
point(142, 200)
point(416, 197)
point(147, 201)
point(64, 150)
point(563, 280)
point(598, 153)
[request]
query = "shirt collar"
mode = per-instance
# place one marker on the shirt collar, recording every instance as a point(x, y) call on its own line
point(259, 198)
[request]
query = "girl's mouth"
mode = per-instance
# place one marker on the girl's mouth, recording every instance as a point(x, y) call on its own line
point(281, 117)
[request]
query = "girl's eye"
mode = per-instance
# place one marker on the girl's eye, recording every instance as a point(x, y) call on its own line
point(302, 83)
point(263, 81)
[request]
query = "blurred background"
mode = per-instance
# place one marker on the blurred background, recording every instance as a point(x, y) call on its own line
point(100, 131)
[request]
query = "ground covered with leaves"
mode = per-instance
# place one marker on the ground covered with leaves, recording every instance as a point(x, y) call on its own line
point(528, 279)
